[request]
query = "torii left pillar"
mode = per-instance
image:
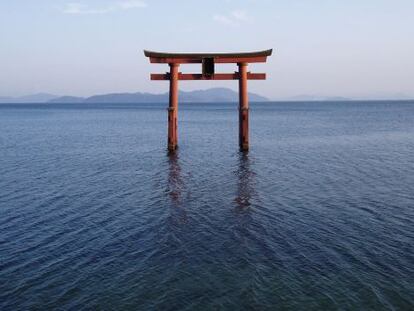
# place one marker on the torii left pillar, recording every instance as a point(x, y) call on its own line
point(243, 108)
point(173, 108)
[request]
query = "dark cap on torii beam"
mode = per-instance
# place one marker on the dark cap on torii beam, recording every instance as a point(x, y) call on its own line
point(235, 57)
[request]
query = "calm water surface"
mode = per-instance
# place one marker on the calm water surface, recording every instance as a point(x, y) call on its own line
point(94, 215)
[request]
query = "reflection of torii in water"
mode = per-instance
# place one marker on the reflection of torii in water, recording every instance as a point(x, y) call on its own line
point(175, 181)
point(245, 190)
point(175, 189)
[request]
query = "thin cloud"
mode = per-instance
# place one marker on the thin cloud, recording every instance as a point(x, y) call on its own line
point(132, 4)
point(239, 15)
point(234, 18)
point(83, 9)
point(79, 8)
point(223, 19)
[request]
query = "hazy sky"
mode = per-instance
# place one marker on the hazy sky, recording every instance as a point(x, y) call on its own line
point(353, 48)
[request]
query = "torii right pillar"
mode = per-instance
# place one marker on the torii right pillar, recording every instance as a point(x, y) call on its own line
point(243, 108)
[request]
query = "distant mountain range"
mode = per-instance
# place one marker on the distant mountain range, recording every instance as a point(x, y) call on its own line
point(35, 98)
point(317, 98)
point(199, 96)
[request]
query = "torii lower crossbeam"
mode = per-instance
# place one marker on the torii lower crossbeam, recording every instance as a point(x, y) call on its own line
point(208, 61)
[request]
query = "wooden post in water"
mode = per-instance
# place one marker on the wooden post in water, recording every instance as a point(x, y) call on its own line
point(243, 108)
point(173, 108)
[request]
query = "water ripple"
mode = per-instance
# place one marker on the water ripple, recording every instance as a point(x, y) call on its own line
point(95, 214)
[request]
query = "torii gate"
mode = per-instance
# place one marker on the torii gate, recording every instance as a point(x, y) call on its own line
point(208, 60)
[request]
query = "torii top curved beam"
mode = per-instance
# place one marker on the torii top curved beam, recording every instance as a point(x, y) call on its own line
point(183, 58)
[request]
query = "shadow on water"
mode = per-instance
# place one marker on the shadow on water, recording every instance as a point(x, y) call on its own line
point(245, 182)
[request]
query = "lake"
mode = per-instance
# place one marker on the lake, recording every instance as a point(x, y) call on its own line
point(95, 215)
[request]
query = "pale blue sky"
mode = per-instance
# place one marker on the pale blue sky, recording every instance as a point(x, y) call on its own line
point(352, 48)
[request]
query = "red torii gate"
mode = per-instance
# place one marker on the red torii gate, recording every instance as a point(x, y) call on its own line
point(208, 60)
